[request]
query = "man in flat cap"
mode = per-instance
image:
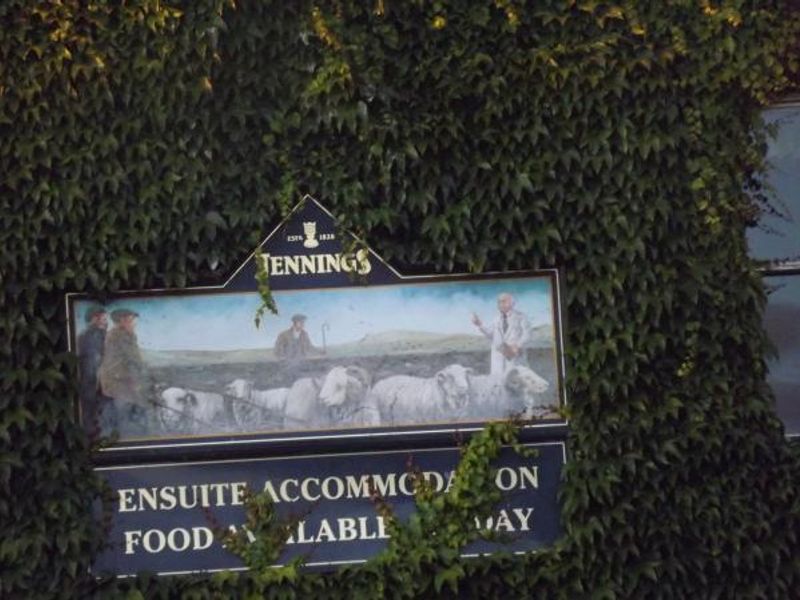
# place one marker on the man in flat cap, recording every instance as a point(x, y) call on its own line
point(90, 355)
point(294, 344)
point(123, 374)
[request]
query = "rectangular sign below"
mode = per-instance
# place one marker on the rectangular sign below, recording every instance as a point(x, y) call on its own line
point(160, 512)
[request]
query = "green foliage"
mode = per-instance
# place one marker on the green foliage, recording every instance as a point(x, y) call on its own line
point(151, 144)
point(264, 291)
point(259, 543)
point(429, 542)
point(422, 558)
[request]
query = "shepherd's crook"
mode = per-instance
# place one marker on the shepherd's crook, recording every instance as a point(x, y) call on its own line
point(325, 327)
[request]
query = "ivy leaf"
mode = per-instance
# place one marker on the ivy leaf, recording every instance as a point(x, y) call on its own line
point(448, 576)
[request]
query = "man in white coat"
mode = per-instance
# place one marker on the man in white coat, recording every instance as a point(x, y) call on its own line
point(509, 333)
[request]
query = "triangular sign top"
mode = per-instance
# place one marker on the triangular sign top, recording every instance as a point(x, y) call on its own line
point(307, 251)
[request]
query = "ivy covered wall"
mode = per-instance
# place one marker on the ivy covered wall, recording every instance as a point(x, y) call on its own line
point(152, 144)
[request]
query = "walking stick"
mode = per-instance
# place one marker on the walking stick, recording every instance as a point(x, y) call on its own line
point(325, 327)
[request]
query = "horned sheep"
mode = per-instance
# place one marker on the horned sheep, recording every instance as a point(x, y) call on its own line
point(180, 410)
point(252, 407)
point(518, 391)
point(344, 392)
point(404, 399)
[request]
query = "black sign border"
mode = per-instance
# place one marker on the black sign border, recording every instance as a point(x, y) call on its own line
point(319, 566)
point(189, 448)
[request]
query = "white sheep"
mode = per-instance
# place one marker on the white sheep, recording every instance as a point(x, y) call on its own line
point(518, 391)
point(404, 399)
point(252, 407)
point(344, 393)
point(304, 409)
point(179, 410)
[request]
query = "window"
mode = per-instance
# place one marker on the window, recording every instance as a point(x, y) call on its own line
point(775, 241)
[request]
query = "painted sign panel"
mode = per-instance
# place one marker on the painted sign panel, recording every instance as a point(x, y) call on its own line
point(355, 350)
point(359, 366)
point(160, 513)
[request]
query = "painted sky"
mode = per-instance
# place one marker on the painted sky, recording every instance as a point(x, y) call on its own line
point(225, 321)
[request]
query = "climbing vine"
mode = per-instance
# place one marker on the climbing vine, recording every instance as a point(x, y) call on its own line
point(151, 144)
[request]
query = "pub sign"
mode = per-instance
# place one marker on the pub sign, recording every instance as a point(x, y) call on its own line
point(359, 361)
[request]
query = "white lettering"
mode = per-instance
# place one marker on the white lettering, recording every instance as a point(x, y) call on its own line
point(148, 496)
point(326, 491)
point(347, 529)
point(168, 498)
point(202, 538)
point(173, 544)
point(301, 534)
point(292, 265)
point(126, 500)
point(506, 479)
point(238, 490)
point(435, 480)
point(385, 487)
point(382, 535)
point(182, 497)
point(177, 540)
point(332, 263)
point(271, 491)
point(530, 475)
point(285, 492)
point(363, 529)
point(132, 540)
point(147, 541)
point(523, 516)
point(347, 262)
point(362, 260)
point(204, 501)
point(357, 488)
point(325, 531)
point(220, 489)
point(302, 264)
point(451, 477)
point(403, 485)
point(503, 522)
point(248, 534)
point(307, 264)
point(304, 489)
point(276, 265)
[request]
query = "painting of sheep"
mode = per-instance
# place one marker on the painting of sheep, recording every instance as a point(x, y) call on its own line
point(519, 391)
point(179, 410)
point(345, 396)
point(404, 399)
point(458, 351)
point(252, 407)
point(344, 392)
point(322, 402)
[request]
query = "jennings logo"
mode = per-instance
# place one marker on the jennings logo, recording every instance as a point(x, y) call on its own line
point(312, 264)
point(310, 231)
point(310, 238)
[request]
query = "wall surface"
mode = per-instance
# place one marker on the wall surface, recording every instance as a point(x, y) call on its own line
point(153, 144)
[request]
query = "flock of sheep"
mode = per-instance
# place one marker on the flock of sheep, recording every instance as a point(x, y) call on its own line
point(347, 397)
